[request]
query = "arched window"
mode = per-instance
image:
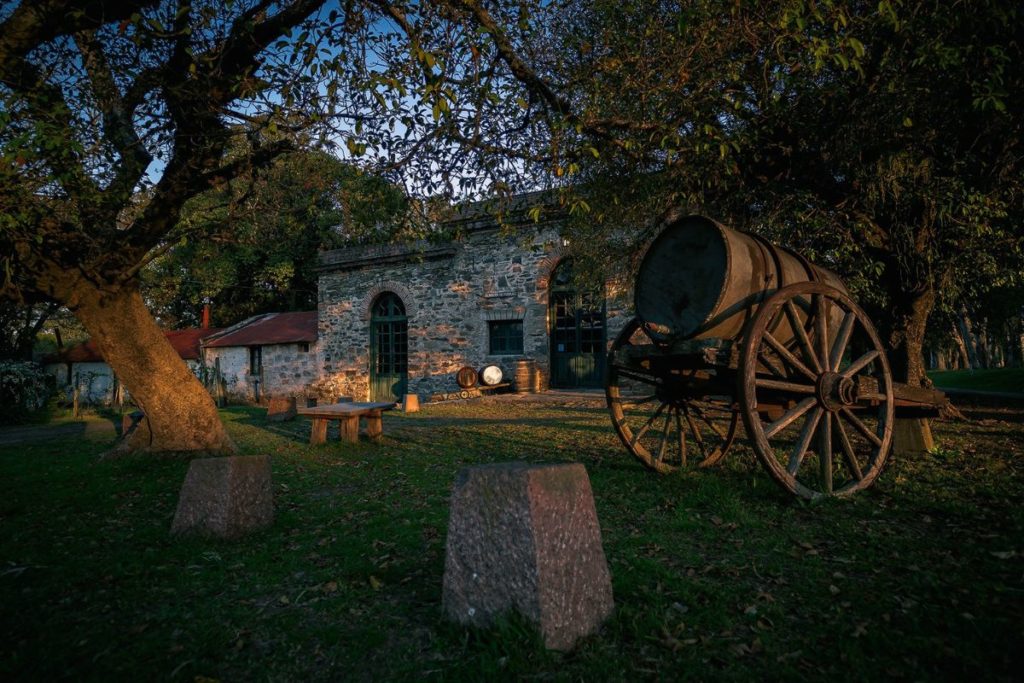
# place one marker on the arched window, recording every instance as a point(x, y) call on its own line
point(389, 348)
point(387, 306)
point(577, 323)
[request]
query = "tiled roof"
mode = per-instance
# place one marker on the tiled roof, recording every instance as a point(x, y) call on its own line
point(270, 328)
point(185, 342)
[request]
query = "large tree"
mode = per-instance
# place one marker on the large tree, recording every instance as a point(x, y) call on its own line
point(115, 114)
point(883, 139)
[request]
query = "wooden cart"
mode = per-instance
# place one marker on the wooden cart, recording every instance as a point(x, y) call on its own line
point(731, 327)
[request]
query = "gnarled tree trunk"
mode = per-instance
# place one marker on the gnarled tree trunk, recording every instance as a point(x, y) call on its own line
point(909, 320)
point(910, 311)
point(180, 412)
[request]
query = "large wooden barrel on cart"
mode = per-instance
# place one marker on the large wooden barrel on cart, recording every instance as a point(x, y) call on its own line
point(702, 280)
point(729, 325)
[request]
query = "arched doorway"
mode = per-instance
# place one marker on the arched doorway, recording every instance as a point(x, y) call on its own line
point(389, 348)
point(577, 323)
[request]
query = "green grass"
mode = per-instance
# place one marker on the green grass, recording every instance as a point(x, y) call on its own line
point(995, 379)
point(716, 574)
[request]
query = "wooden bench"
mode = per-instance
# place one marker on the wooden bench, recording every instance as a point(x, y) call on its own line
point(347, 415)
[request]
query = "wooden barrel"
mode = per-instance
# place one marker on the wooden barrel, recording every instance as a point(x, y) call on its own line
point(466, 377)
point(702, 280)
point(526, 370)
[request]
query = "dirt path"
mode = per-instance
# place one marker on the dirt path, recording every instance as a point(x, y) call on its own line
point(93, 428)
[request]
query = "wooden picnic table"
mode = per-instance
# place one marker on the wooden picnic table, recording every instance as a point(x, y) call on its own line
point(347, 415)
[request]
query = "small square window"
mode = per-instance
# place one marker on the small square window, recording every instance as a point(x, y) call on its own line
point(506, 337)
point(303, 347)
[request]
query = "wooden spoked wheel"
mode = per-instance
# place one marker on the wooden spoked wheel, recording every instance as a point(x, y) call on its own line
point(816, 392)
point(658, 420)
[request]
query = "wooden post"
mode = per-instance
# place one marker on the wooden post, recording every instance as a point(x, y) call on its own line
point(318, 434)
point(349, 428)
point(374, 425)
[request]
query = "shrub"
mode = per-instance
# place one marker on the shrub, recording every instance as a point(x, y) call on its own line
point(24, 389)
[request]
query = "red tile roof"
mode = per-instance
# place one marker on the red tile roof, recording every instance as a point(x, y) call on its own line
point(271, 328)
point(185, 342)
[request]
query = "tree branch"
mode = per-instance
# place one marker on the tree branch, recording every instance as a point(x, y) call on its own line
point(118, 128)
point(34, 23)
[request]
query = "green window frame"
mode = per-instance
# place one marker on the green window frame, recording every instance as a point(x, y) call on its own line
point(506, 337)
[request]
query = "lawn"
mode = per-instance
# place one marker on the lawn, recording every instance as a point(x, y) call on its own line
point(716, 574)
point(996, 379)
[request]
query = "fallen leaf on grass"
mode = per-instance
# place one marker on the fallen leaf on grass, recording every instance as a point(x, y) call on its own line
point(375, 583)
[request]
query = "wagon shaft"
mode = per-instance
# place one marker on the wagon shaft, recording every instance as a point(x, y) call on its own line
point(918, 401)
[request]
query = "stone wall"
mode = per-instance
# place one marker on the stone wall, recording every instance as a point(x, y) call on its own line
point(287, 371)
point(450, 293)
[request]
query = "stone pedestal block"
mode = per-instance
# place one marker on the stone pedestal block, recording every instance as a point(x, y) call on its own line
point(281, 409)
point(526, 538)
point(911, 436)
point(225, 497)
point(411, 403)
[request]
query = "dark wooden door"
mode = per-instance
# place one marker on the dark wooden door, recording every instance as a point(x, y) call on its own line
point(389, 349)
point(577, 324)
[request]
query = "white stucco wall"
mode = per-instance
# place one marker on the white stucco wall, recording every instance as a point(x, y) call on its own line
point(234, 368)
point(95, 381)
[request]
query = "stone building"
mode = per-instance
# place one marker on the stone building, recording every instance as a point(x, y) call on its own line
point(273, 354)
point(82, 367)
point(396, 319)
